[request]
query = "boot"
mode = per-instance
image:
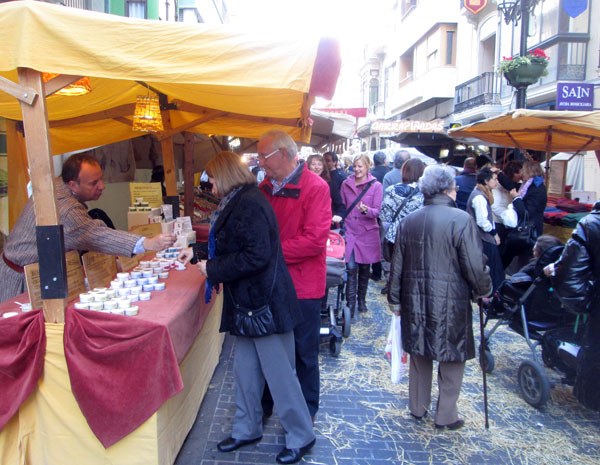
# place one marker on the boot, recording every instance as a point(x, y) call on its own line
point(363, 284)
point(351, 290)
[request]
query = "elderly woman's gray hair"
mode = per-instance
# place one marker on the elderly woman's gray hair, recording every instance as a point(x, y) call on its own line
point(281, 140)
point(436, 179)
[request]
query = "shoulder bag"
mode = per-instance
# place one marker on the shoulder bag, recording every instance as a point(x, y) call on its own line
point(523, 236)
point(388, 247)
point(353, 204)
point(254, 322)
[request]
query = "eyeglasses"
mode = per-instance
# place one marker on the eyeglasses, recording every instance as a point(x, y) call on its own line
point(266, 157)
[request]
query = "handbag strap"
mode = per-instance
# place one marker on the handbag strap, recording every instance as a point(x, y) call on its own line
point(357, 199)
point(403, 204)
point(272, 285)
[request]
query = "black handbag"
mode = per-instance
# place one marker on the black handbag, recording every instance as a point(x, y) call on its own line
point(254, 322)
point(523, 236)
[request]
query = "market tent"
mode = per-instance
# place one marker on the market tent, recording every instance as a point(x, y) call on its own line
point(546, 131)
point(210, 79)
point(330, 127)
point(214, 79)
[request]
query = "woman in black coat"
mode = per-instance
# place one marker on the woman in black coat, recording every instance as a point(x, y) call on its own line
point(532, 200)
point(244, 254)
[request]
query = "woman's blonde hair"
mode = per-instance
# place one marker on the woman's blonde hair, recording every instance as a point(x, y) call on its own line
point(364, 158)
point(228, 172)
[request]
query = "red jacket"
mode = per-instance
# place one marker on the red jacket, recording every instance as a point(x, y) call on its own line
point(303, 211)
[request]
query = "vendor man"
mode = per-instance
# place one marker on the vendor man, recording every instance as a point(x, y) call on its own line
point(81, 182)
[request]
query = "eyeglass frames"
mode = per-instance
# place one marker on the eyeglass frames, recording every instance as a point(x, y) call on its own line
point(266, 157)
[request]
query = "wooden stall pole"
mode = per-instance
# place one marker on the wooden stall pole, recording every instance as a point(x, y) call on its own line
point(168, 156)
point(39, 153)
point(188, 174)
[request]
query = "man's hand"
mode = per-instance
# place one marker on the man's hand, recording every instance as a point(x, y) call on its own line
point(336, 219)
point(549, 270)
point(497, 237)
point(186, 255)
point(160, 242)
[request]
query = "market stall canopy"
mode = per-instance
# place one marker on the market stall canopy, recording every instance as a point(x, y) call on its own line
point(330, 127)
point(211, 79)
point(546, 131)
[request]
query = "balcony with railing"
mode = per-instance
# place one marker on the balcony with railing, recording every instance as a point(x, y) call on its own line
point(481, 90)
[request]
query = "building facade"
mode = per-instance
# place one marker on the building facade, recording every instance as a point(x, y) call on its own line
point(439, 62)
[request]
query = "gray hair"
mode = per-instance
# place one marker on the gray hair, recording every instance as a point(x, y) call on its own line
point(281, 140)
point(436, 179)
point(400, 157)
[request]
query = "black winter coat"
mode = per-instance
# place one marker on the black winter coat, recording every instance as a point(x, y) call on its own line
point(247, 251)
point(534, 203)
point(577, 281)
point(437, 268)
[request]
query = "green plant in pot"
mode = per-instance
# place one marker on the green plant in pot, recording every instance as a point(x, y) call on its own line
point(522, 71)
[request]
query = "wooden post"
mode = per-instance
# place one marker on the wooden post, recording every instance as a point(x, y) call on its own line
point(188, 174)
point(168, 157)
point(39, 153)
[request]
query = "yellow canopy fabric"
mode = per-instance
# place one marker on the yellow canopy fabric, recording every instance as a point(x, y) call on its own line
point(243, 83)
point(548, 131)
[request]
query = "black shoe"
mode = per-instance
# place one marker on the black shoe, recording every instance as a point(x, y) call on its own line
point(230, 444)
point(417, 417)
point(452, 426)
point(294, 455)
point(266, 415)
point(375, 277)
point(384, 289)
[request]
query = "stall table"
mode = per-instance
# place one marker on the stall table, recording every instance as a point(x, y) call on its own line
point(50, 426)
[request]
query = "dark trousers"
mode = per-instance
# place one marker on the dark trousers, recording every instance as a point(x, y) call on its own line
point(306, 337)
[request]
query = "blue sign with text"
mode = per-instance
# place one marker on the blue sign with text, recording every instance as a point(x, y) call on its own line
point(574, 96)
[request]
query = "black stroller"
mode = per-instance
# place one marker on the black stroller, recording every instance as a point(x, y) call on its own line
point(528, 304)
point(335, 319)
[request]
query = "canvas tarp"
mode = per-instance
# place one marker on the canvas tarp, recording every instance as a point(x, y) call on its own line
point(243, 83)
point(547, 131)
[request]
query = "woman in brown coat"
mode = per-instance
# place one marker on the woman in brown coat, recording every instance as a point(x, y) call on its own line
point(436, 270)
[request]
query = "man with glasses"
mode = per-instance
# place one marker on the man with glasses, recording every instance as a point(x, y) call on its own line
point(302, 204)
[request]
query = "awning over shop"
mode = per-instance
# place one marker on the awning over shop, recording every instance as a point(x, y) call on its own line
point(330, 127)
point(213, 79)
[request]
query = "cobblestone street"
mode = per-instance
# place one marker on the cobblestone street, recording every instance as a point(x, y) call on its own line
point(364, 419)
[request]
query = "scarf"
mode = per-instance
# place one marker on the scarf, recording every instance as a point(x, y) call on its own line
point(537, 180)
point(212, 242)
point(485, 190)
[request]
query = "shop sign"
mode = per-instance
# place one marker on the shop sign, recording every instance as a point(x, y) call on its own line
point(574, 96)
point(475, 6)
point(407, 126)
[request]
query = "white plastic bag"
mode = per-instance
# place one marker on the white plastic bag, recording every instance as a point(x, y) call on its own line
point(394, 351)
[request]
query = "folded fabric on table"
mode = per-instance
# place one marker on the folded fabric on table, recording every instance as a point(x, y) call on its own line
point(554, 217)
point(121, 369)
point(22, 348)
point(571, 220)
point(573, 206)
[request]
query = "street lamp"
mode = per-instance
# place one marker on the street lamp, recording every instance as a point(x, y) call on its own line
point(515, 11)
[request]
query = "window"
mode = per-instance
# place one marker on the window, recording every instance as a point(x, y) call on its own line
point(450, 47)
point(373, 92)
point(407, 5)
point(136, 9)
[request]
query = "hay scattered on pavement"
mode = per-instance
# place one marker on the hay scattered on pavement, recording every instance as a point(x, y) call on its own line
point(517, 430)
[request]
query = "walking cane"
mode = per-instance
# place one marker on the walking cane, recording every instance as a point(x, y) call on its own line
point(483, 359)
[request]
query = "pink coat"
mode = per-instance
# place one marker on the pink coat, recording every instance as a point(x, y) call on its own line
point(362, 231)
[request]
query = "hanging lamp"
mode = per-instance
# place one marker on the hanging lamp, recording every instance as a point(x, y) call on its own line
point(146, 117)
point(79, 87)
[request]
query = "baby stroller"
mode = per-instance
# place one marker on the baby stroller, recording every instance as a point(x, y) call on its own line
point(335, 318)
point(528, 304)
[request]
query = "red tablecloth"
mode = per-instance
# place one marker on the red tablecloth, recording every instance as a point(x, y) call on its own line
point(121, 368)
